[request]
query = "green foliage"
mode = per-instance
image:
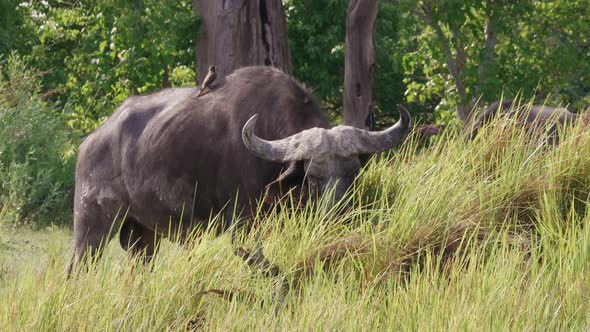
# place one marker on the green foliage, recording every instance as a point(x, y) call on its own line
point(36, 154)
point(389, 87)
point(316, 40)
point(317, 31)
point(183, 76)
point(10, 20)
point(97, 53)
point(552, 51)
point(541, 50)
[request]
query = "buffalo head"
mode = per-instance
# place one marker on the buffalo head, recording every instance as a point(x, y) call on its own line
point(330, 156)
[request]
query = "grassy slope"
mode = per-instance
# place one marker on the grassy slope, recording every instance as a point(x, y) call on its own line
point(482, 235)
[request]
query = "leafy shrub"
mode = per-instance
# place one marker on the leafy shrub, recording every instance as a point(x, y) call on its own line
point(36, 153)
point(183, 76)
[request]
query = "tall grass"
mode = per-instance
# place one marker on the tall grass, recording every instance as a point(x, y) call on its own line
point(465, 235)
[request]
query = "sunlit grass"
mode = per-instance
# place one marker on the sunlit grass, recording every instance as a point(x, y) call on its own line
point(464, 235)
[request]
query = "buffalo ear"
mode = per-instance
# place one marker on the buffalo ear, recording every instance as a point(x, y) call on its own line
point(289, 177)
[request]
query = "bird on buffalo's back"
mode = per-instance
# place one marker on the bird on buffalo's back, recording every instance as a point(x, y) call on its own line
point(209, 79)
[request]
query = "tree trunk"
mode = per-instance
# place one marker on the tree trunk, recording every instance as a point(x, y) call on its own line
point(359, 65)
point(490, 45)
point(239, 33)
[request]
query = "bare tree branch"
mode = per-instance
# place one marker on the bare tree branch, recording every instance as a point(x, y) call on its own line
point(491, 39)
point(455, 62)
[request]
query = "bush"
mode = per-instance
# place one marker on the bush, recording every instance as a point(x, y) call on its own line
point(36, 152)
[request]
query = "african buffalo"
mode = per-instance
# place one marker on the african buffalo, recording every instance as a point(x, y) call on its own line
point(166, 162)
point(534, 116)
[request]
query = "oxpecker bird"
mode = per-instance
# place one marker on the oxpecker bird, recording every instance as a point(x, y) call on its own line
point(209, 79)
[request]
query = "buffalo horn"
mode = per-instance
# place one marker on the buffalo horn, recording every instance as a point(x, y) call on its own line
point(341, 140)
point(283, 150)
point(359, 141)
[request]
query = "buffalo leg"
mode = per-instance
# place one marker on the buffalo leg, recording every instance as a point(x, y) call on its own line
point(92, 231)
point(138, 240)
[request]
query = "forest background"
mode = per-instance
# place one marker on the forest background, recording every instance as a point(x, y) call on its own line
point(66, 65)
